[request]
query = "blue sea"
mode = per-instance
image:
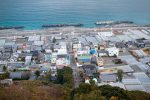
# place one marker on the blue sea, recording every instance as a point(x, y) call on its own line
point(34, 13)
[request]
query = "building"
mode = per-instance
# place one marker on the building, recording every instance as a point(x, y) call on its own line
point(62, 60)
point(112, 51)
point(28, 60)
point(100, 62)
point(89, 70)
point(106, 78)
point(102, 53)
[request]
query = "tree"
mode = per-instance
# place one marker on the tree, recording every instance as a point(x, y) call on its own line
point(54, 40)
point(4, 68)
point(120, 75)
point(37, 73)
point(4, 76)
point(65, 77)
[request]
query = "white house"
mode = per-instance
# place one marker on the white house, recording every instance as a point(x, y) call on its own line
point(112, 51)
point(76, 46)
point(28, 60)
point(106, 34)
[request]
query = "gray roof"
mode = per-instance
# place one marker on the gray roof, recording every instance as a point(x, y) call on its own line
point(108, 77)
point(15, 75)
point(89, 69)
point(102, 51)
point(56, 46)
point(129, 59)
point(135, 87)
point(4, 56)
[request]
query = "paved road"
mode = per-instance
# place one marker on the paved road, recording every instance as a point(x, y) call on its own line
point(75, 71)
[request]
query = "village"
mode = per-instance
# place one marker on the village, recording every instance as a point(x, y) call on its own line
point(114, 56)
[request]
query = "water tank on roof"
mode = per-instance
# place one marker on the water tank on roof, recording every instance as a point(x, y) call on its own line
point(93, 51)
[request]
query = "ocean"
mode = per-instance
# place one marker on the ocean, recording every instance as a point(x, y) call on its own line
point(34, 13)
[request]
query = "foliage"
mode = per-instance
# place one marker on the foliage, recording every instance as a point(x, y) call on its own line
point(138, 95)
point(33, 90)
point(54, 40)
point(37, 73)
point(106, 92)
point(109, 91)
point(87, 92)
point(65, 77)
point(36, 90)
point(4, 68)
point(120, 75)
point(4, 76)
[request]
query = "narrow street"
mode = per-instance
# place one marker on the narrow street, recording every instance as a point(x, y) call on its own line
point(75, 71)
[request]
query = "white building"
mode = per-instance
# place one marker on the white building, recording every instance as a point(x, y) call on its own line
point(28, 60)
point(38, 43)
point(106, 34)
point(34, 38)
point(76, 46)
point(112, 51)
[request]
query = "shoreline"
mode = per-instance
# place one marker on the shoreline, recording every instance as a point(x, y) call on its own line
point(24, 28)
point(9, 33)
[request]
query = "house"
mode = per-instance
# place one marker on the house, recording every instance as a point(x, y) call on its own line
point(94, 60)
point(89, 70)
point(62, 60)
point(8, 48)
point(140, 42)
point(5, 56)
point(19, 75)
point(15, 65)
point(106, 34)
point(28, 60)
point(139, 53)
point(108, 78)
point(112, 51)
point(54, 58)
point(75, 44)
point(84, 59)
point(38, 43)
point(22, 40)
point(60, 48)
point(2, 42)
point(45, 69)
point(34, 38)
point(102, 53)
point(16, 75)
point(47, 57)
point(100, 61)
point(53, 70)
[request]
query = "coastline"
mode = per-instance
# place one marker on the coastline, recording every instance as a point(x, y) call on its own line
point(49, 31)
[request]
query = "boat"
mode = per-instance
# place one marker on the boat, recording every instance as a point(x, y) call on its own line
point(62, 25)
point(11, 27)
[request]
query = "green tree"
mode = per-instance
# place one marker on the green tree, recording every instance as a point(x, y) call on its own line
point(65, 77)
point(109, 91)
point(138, 95)
point(4, 75)
point(120, 75)
point(54, 40)
point(60, 78)
point(4, 68)
point(37, 73)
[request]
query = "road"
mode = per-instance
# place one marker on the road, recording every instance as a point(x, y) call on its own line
point(75, 71)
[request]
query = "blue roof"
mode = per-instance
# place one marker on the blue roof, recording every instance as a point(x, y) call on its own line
point(85, 60)
point(93, 51)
